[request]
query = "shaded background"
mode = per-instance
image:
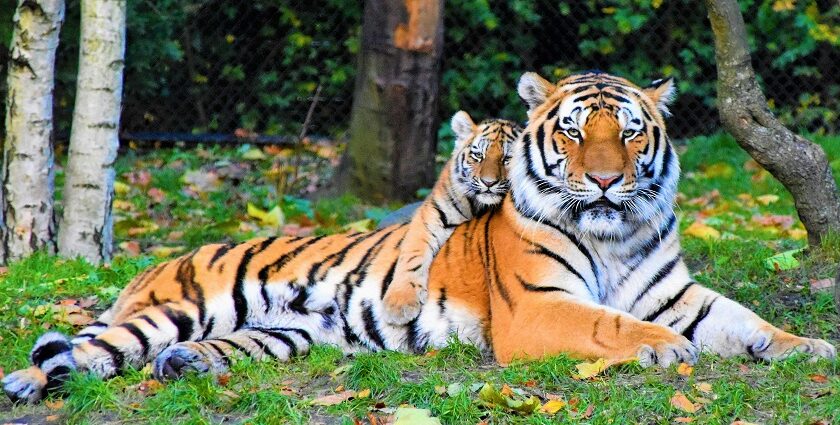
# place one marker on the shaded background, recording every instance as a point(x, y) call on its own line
point(234, 66)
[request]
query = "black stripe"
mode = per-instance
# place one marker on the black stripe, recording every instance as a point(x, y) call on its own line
point(663, 272)
point(389, 277)
point(535, 288)
point(140, 336)
point(704, 311)
point(57, 376)
point(278, 265)
point(412, 337)
point(190, 289)
point(442, 216)
point(280, 336)
point(208, 328)
point(240, 303)
point(234, 345)
point(49, 350)
point(305, 335)
point(181, 321)
point(218, 351)
point(117, 356)
point(298, 303)
point(668, 304)
point(312, 275)
point(148, 320)
point(495, 279)
point(370, 325)
point(615, 97)
point(541, 250)
point(263, 346)
point(218, 254)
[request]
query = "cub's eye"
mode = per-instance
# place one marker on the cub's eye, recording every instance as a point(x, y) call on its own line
point(573, 132)
point(475, 157)
point(628, 133)
point(506, 160)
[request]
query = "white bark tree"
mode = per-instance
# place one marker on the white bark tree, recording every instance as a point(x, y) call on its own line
point(27, 223)
point(87, 224)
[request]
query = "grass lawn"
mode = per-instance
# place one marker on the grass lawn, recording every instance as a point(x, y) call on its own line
point(170, 200)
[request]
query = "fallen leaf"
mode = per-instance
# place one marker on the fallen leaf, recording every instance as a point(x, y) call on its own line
point(683, 420)
point(202, 181)
point(590, 369)
point(820, 379)
point(770, 220)
point(719, 169)
point(553, 406)
point(223, 379)
point(702, 231)
point(454, 389)
point(588, 412)
point(254, 154)
point(274, 217)
point(166, 251)
point(685, 369)
point(766, 199)
point(440, 389)
point(493, 397)
point(121, 188)
point(680, 401)
point(743, 423)
point(54, 404)
point(413, 416)
point(132, 248)
point(365, 393)
point(51, 418)
point(783, 260)
point(149, 387)
point(333, 399)
point(704, 387)
point(365, 225)
point(822, 284)
point(157, 195)
point(506, 391)
point(530, 383)
point(798, 234)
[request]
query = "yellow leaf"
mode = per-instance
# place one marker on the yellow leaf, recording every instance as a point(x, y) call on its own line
point(766, 199)
point(799, 234)
point(440, 389)
point(267, 218)
point(680, 401)
point(360, 226)
point(720, 169)
point(684, 369)
point(54, 404)
point(506, 390)
point(683, 420)
point(588, 370)
point(365, 393)
point(553, 406)
point(166, 251)
point(412, 416)
point(702, 231)
point(121, 188)
point(254, 154)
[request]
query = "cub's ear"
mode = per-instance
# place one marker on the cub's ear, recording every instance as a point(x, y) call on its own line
point(534, 90)
point(463, 127)
point(662, 92)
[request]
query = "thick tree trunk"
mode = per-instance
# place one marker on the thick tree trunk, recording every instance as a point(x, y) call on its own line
point(87, 225)
point(800, 165)
point(27, 220)
point(394, 118)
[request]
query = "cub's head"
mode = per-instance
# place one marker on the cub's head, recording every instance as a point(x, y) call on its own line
point(595, 155)
point(481, 156)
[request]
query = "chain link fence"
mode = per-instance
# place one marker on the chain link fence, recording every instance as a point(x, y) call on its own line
point(244, 68)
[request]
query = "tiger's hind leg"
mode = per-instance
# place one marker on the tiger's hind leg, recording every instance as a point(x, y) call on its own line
point(214, 355)
point(52, 361)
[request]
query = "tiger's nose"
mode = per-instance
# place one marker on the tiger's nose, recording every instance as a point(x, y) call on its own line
point(604, 181)
point(489, 182)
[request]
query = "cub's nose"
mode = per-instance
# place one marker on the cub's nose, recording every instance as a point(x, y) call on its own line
point(604, 181)
point(489, 182)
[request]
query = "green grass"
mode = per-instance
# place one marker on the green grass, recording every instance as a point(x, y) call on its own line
point(790, 391)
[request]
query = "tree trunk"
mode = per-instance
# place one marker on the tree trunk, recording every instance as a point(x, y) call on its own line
point(800, 165)
point(27, 222)
point(394, 117)
point(87, 224)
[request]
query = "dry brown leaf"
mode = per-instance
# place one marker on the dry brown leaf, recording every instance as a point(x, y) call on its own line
point(506, 390)
point(132, 248)
point(702, 231)
point(54, 404)
point(685, 369)
point(743, 368)
point(333, 399)
point(223, 379)
point(743, 423)
point(704, 387)
point(149, 387)
point(588, 412)
point(530, 383)
point(51, 418)
point(365, 393)
point(680, 401)
point(822, 284)
point(683, 420)
point(820, 379)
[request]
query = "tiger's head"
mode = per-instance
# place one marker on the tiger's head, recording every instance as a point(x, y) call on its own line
point(481, 156)
point(595, 156)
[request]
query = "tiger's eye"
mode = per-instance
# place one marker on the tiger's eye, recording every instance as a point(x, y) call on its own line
point(573, 132)
point(628, 133)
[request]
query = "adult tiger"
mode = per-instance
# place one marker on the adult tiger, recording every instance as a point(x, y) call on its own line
point(583, 258)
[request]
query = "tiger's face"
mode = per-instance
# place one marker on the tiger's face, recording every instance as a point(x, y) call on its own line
point(482, 153)
point(595, 153)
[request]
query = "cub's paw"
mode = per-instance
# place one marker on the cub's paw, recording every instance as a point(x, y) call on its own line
point(666, 352)
point(402, 302)
point(178, 359)
point(25, 385)
point(779, 345)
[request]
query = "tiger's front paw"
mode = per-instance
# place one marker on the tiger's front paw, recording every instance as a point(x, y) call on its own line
point(673, 349)
point(25, 385)
point(178, 359)
point(402, 302)
point(779, 345)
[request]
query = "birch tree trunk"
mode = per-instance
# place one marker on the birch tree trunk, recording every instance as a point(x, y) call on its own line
point(87, 224)
point(800, 165)
point(27, 223)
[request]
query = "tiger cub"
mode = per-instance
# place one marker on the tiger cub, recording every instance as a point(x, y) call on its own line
point(474, 179)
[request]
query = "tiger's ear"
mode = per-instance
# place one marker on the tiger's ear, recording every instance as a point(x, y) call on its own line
point(534, 90)
point(662, 92)
point(463, 127)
